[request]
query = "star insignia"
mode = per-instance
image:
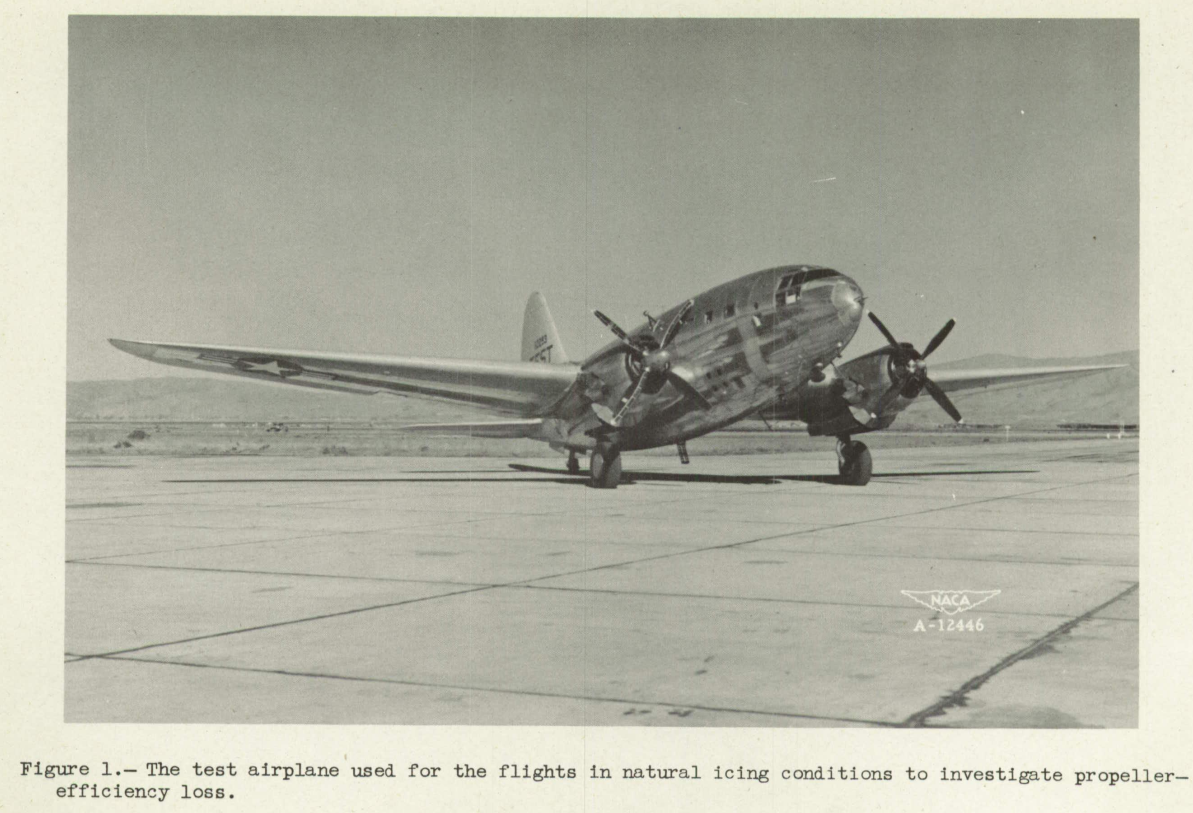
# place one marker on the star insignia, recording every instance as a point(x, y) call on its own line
point(280, 369)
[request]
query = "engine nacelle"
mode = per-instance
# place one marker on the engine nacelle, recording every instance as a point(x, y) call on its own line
point(862, 395)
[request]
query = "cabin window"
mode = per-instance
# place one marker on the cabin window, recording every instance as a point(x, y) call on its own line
point(708, 315)
point(730, 309)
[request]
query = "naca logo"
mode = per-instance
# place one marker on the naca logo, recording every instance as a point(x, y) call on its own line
point(950, 602)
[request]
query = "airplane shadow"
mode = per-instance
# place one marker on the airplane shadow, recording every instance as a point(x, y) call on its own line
point(629, 477)
point(567, 480)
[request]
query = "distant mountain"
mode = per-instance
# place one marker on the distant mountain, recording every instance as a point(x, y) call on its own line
point(1099, 398)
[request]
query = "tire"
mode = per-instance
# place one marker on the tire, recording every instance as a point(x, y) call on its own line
point(605, 468)
point(857, 466)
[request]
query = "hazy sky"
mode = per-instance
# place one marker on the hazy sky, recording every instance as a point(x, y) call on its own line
point(400, 186)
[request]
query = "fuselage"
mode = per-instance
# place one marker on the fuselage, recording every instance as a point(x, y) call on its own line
point(744, 345)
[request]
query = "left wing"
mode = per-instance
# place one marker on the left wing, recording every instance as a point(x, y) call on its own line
point(516, 388)
point(529, 428)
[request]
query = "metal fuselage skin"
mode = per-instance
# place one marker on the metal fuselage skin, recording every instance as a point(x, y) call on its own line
point(745, 345)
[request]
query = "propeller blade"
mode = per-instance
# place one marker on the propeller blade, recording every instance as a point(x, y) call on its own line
point(938, 338)
point(939, 397)
point(615, 350)
point(679, 378)
point(676, 322)
point(609, 323)
point(882, 329)
point(627, 400)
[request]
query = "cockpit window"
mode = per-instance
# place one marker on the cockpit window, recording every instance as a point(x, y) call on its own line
point(790, 285)
point(788, 291)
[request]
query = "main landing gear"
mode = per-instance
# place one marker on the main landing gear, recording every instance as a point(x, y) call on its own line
point(573, 463)
point(604, 468)
point(853, 462)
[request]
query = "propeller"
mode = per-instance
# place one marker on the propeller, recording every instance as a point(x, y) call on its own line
point(908, 368)
point(652, 365)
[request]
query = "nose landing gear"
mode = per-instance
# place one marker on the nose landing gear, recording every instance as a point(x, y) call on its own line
point(853, 462)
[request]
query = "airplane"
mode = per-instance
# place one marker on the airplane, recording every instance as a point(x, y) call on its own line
point(765, 343)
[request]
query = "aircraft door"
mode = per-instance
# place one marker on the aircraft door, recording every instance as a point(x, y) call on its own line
point(761, 331)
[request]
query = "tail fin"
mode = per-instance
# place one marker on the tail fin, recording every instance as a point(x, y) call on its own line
point(540, 339)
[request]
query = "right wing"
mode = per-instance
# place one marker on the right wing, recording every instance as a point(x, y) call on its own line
point(517, 388)
point(954, 380)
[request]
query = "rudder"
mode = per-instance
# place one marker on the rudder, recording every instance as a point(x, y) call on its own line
point(540, 339)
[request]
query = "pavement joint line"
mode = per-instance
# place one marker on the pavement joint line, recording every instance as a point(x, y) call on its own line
point(869, 555)
point(242, 571)
point(1013, 530)
point(399, 529)
point(495, 690)
point(1100, 500)
point(958, 697)
point(222, 545)
point(286, 623)
point(158, 514)
point(559, 588)
point(773, 600)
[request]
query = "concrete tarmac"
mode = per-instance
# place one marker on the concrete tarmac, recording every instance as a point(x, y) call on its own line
point(736, 591)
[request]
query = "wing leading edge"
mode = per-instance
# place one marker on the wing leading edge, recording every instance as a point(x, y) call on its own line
point(515, 388)
point(954, 380)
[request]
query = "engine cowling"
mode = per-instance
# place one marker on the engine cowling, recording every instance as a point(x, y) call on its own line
point(869, 392)
point(859, 396)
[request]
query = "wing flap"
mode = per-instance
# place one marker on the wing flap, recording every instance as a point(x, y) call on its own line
point(520, 388)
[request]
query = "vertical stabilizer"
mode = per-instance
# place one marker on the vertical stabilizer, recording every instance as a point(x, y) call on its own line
point(540, 339)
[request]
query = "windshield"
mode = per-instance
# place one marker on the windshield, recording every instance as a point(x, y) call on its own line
point(790, 284)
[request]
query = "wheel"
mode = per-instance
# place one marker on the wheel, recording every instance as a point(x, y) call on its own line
point(604, 470)
point(573, 464)
point(854, 463)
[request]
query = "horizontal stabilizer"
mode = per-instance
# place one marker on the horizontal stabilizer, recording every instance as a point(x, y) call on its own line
point(479, 429)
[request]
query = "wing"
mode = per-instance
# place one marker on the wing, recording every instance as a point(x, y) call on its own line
point(954, 380)
point(517, 388)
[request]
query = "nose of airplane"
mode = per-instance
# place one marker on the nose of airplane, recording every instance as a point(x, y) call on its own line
point(847, 298)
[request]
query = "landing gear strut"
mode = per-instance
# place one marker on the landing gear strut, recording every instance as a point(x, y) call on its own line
point(604, 468)
point(853, 462)
point(573, 463)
